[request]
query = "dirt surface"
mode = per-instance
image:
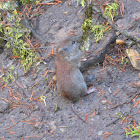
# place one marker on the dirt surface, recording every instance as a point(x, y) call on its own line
point(57, 118)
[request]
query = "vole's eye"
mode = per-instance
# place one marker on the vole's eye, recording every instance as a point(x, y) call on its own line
point(73, 42)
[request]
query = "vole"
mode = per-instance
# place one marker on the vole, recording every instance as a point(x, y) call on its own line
point(70, 81)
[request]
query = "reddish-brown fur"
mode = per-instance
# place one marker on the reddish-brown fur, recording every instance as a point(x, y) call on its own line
point(70, 81)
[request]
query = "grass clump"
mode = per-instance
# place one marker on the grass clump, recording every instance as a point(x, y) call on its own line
point(97, 30)
point(9, 76)
point(134, 132)
point(111, 10)
point(16, 36)
point(124, 60)
point(24, 2)
point(82, 2)
point(89, 28)
point(86, 27)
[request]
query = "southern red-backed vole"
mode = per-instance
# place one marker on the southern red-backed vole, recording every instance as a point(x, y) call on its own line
point(70, 81)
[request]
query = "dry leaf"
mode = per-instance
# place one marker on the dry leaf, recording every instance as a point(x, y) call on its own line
point(134, 58)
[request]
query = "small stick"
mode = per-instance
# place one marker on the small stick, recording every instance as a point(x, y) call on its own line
point(77, 114)
point(126, 102)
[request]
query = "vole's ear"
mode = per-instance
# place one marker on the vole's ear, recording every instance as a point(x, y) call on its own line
point(62, 51)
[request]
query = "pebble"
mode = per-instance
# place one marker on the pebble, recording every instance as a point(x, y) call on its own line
point(38, 125)
point(104, 102)
point(100, 133)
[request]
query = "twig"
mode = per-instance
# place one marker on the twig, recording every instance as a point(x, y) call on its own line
point(126, 102)
point(20, 120)
point(112, 122)
point(77, 114)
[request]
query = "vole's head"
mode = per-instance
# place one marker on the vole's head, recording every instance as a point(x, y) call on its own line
point(69, 48)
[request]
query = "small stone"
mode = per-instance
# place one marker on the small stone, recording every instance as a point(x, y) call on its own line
point(62, 129)
point(38, 125)
point(103, 102)
point(120, 42)
point(65, 13)
point(100, 133)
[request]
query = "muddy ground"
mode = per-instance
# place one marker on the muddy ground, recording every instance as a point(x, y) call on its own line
point(56, 120)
